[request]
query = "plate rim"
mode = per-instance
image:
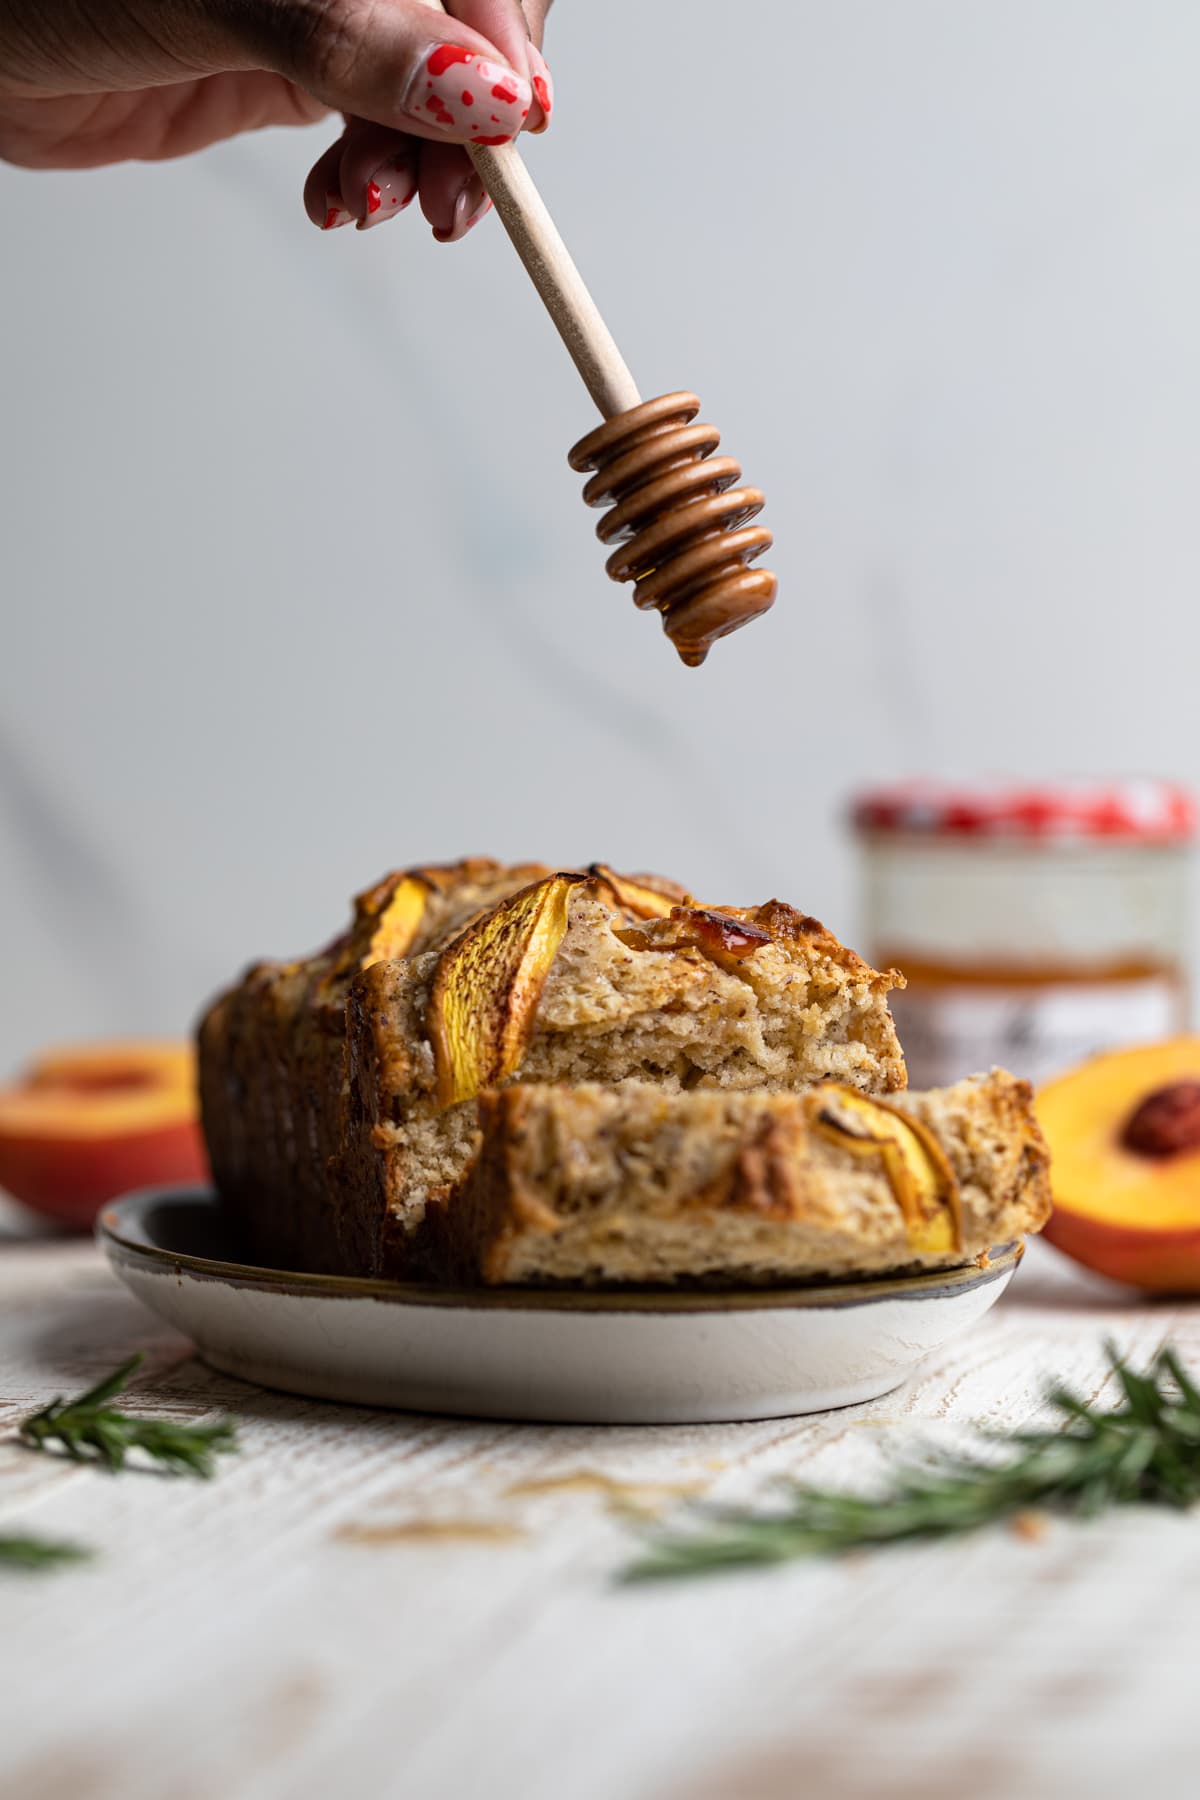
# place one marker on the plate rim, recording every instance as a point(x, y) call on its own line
point(124, 1238)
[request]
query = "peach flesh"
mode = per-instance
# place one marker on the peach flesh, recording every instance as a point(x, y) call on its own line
point(86, 1124)
point(1126, 1213)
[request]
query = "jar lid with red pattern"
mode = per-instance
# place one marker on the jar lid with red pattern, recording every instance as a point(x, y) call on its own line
point(1142, 810)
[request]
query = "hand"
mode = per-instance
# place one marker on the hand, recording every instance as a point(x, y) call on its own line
point(86, 82)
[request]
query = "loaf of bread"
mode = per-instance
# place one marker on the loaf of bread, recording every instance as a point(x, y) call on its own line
point(594, 1184)
point(340, 1094)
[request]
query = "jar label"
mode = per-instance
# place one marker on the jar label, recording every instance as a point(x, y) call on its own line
point(1037, 1031)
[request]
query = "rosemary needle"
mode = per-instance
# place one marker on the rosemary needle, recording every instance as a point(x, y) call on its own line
point(1145, 1451)
point(19, 1550)
point(87, 1429)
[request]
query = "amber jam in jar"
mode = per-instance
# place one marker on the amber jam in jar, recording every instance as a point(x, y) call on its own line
point(1036, 924)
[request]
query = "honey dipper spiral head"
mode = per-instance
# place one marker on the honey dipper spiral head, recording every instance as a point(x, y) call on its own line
point(680, 523)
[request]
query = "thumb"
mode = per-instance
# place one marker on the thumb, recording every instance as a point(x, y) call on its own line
point(398, 62)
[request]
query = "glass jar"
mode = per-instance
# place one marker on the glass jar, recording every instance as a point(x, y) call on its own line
point(1036, 925)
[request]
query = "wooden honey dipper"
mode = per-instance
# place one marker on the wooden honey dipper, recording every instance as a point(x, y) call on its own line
point(680, 524)
point(681, 527)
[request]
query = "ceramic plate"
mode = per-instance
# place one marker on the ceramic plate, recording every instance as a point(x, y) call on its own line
point(641, 1357)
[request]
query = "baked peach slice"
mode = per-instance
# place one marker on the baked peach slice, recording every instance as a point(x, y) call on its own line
point(645, 896)
point(1124, 1136)
point(487, 985)
point(917, 1168)
point(86, 1123)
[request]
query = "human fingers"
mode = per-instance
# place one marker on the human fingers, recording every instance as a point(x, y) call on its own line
point(452, 195)
point(400, 64)
point(516, 32)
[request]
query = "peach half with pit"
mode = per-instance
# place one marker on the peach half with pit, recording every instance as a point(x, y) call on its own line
point(87, 1122)
point(1124, 1136)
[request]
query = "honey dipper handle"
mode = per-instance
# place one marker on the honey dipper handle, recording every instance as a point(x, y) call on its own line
point(548, 263)
point(550, 268)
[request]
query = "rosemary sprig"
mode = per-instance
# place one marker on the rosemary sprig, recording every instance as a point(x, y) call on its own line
point(18, 1550)
point(1147, 1451)
point(88, 1430)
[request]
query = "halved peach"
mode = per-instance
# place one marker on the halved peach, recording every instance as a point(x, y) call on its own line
point(91, 1121)
point(1124, 1136)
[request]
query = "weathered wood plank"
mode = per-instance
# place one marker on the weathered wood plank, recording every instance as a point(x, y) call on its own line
point(383, 1603)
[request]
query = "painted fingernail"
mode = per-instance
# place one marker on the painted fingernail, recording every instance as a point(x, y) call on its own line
point(471, 205)
point(543, 84)
point(481, 211)
point(335, 213)
point(391, 188)
point(479, 101)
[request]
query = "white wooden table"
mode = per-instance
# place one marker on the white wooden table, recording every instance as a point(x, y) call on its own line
point(379, 1604)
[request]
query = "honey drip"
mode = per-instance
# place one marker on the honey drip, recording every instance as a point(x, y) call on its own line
point(680, 523)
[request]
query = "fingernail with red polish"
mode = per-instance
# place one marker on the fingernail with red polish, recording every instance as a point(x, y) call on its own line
point(471, 205)
point(392, 187)
point(543, 84)
point(481, 211)
point(335, 213)
point(480, 101)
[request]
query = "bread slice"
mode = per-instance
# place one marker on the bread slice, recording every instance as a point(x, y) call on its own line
point(598, 1184)
point(565, 984)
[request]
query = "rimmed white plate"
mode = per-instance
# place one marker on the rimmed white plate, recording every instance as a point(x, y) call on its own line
point(639, 1357)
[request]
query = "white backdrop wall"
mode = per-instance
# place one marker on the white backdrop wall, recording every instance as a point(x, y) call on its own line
point(297, 585)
